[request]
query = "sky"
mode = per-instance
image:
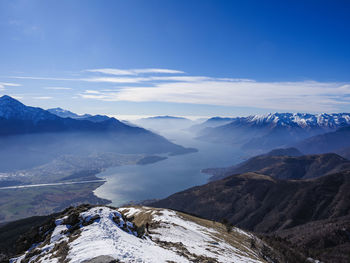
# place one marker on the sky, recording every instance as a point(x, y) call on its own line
point(177, 57)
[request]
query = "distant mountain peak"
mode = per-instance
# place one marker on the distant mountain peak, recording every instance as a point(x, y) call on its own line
point(9, 99)
point(302, 120)
point(63, 113)
point(167, 117)
point(59, 109)
point(11, 108)
point(88, 117)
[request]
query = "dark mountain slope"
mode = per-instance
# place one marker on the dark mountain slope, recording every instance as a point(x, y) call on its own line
point(327, 240)
point(285, 152)
point(286, 167)
point(263, 204)
point(328, 142)
point(345, 152)
point(17, 118)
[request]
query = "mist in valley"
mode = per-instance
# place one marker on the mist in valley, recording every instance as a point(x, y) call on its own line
point(136, 183)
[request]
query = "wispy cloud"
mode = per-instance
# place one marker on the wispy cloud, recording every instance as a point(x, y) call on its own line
point(128, 85)
point(43, 98)
point(112, 71)
point(42, 78)
point(147, 79)
point(7, 84)
point(295, 96)
point(130, 79)
point(57, 88)
point(116, 80)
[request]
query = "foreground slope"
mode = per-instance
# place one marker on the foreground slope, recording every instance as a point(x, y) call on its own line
point(311, 215)
point(103, 234)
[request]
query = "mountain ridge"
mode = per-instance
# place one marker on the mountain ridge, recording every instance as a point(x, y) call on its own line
point(285, 166)
point(264, 132)
point(264, 204)
point(106, 234)
point(42, 136)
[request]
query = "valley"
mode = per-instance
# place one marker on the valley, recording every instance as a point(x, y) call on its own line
point(279, 195)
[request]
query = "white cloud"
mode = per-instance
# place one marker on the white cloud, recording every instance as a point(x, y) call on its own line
point(282, 96)
point(116, 80)
point(42, 78)
point(289, 96)
point(7, 84)
point(57, 88)
point(112, 71)
point(147, 79)
point(92, 92)
point(180, 78)
point(42, 98)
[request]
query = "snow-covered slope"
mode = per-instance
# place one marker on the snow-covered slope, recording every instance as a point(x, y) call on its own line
point(68, 114)
point(265, 132)
point(13, 109)
point(104, 234)
point(302, 120)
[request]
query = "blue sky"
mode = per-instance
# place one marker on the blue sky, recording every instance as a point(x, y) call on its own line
point(199, 58)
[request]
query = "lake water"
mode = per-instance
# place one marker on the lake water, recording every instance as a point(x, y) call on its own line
point(161, 179)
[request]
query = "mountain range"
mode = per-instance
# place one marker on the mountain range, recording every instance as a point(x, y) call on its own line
point(264, 132)
point(68, 114)
point(33, 136)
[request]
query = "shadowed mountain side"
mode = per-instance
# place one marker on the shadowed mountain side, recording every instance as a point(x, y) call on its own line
point(264, 204)
point(32, 136)
point(327, 240)
point(26, 151)
point(286, 167)
point(328, 142)
point(345, 152)
point(211, 123)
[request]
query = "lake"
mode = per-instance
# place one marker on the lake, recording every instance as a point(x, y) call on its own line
point(161, 179)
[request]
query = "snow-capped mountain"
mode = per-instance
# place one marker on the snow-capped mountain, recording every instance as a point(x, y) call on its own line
point(140, 234)
point(302, 120)
point(11, 108)
point(68, 114)
point(42, 136)
point(17, 118)
point(264, 132)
